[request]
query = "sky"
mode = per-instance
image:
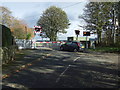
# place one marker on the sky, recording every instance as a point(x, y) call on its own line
point(32, 10)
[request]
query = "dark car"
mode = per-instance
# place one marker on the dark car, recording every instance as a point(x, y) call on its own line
point(72, 46)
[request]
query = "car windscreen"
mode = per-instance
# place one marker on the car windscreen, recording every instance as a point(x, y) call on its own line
point(68, 43)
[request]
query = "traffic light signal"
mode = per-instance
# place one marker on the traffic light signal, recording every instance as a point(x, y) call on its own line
point(77, 32)
point(86, 33)
point(37, 29)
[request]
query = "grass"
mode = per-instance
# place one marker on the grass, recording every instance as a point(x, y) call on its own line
point(106, 49)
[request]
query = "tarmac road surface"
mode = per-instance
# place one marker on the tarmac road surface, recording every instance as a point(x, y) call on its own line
point(62, 69)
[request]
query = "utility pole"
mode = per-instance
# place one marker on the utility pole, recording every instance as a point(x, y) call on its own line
point(26, 32)
point(77, 38)
point(86, 33)
point(26, 37)
point(86, 43)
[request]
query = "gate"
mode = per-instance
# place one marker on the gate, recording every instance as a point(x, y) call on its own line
point(23, 44)
point(28, 44)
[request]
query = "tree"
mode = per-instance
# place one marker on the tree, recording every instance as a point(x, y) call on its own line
point(54, 20)
point(5, 16)
point(30, 33)
point(91, 17)
point(16, 26)
point(20, 29)
point(119, 13)
point(100, 17)
point(19, 33)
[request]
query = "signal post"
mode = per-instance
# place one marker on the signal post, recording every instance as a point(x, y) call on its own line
point(86, 33)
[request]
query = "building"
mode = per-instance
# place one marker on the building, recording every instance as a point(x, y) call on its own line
point(86, 41)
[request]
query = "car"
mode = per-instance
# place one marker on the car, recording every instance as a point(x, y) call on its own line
point(72, 46)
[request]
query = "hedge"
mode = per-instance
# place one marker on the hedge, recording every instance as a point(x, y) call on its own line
point(7, 38)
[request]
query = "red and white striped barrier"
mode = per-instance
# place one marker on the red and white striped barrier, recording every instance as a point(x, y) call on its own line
point(49, 42)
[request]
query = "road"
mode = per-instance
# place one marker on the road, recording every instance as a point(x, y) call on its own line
point(62, 69)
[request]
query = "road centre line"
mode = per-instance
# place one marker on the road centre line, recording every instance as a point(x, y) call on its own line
point(62, 74)
point(76, 59)
point(65, 70)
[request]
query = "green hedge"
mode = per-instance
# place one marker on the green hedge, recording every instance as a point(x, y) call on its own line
point(7, 38)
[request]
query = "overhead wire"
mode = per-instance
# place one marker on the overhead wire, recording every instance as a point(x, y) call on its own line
point(71, 5)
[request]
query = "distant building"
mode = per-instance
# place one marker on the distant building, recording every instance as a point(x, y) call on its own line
point(79, 39)
point(90, 41)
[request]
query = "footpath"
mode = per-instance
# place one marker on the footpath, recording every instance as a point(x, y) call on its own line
point(24, 59)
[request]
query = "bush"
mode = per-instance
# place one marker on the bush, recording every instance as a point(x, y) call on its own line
point(8, 49)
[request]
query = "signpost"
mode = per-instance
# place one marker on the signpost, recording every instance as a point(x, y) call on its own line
point(37, 29)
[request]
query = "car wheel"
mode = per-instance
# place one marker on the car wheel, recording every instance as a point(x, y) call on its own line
point(61, 48)
point(75, 50)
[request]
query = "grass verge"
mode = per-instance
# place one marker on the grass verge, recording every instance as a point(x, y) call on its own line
point(106, 49)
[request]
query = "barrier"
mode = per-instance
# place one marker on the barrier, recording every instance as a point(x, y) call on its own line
point(49, 44)
point(24, 44)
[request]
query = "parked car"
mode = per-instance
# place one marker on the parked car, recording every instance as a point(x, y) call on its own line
point(72, 46)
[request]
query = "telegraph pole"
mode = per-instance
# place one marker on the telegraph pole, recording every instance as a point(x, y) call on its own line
point(86, 43)
point(26, 32)
point(26, 37)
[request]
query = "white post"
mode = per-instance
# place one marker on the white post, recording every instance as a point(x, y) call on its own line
point(86, 42)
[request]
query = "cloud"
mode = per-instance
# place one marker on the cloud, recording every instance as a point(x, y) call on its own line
point(31, 11)
point(32, 18)
point(38, 8)
point(72, 13)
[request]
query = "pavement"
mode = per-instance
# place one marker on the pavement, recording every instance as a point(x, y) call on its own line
point(47, 68)
point(24, 58)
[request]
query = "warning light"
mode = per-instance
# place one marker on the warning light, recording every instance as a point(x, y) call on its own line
point(77, 32)
point(38, 28)
point(86, 33)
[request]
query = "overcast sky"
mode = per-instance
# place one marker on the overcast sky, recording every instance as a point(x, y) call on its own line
point(31, 11)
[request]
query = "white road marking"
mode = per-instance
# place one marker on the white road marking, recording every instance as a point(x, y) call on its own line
point(76, 59)
point(62, 73)
point(65, 70)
